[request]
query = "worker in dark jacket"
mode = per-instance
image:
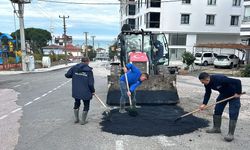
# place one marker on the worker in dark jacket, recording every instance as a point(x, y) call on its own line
point(82, 87)
point(135, 78)
point(227, 87)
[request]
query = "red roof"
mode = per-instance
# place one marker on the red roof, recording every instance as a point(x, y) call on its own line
point(72, 48)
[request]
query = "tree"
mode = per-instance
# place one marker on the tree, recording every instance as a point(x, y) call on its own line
point(112, 52)
point(38, 38)
point(188, 58)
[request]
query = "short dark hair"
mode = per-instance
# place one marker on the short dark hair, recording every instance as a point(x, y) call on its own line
point(203, 76)
point(85, 59)
point(146, 75)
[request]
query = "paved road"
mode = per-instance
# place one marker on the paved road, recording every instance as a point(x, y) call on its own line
point(36, 114)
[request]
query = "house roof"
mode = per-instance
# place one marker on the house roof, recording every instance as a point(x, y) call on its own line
point(72, 48)
point(223, 45)
point(53, 46)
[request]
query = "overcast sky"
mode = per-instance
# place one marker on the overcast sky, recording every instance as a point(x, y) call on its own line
point(99, 20)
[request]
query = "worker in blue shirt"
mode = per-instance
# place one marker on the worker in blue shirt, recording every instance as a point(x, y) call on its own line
point(226, 87)
point(135, 78)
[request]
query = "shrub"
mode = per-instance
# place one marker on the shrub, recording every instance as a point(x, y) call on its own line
point(11, 60)
point(38, 56)
point(246, 71)
point(188, 58)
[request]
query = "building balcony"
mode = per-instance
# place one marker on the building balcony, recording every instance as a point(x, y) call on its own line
point(246, 19)
point(153, 24)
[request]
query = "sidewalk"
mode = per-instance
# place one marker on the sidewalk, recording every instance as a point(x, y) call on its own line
point(38, 70)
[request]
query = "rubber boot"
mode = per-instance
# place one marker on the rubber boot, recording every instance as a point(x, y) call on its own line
point(76, 112)
point(217, 125)
point(84, 116)
point(122, 108)
point(230, 135)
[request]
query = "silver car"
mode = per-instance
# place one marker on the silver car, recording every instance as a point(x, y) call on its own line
point(226, 60)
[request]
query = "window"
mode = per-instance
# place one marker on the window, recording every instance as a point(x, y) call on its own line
point(131, 9)
point(236, 2)
point(210, 19)
point(246, 14)
point(234, 20)
point(207, 55)
point(177, 39)
point(153, 20)
point(186, 1)
point(131, 22)
point(184, 18)
point(176, 53)
point(153, 3)
point(211, 2)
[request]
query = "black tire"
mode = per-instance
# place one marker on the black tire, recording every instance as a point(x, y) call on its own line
point(205, 63)
point(215, 66)
point(231, 66)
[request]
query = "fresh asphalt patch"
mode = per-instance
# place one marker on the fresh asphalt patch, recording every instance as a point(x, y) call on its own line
point(153, 121)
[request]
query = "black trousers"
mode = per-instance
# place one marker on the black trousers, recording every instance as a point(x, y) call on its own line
point(78, 103)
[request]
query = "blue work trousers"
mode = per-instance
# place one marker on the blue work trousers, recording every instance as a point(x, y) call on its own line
point(234, 107)
point(124, 95)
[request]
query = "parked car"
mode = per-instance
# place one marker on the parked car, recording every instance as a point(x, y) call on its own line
point(204, 58)
point(226, 60)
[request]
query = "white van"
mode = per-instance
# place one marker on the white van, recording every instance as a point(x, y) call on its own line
point(204, 58)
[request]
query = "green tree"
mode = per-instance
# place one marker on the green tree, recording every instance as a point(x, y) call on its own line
point(188, 58)
point(38, 38)
point(112, 52)
point(91, 53)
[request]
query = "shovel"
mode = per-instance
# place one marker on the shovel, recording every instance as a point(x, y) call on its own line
point(131, 110)
point(107, 112)
point(206, 107)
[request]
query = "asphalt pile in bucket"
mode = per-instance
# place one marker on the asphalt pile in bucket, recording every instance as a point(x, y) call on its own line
point(152, 121)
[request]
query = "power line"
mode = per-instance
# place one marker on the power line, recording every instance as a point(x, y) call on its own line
point(98, 3)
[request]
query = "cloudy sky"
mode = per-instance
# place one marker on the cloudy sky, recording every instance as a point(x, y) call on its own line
point(99, 20)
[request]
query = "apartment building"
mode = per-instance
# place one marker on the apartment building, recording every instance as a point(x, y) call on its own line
point(186, 23)
point(245, 27)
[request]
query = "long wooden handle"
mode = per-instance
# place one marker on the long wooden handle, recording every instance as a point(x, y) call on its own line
point(208, 106)
point(129, 97)
point(100, 101)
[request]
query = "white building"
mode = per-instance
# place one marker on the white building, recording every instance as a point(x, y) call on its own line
point(186, 22)
point(245, 27)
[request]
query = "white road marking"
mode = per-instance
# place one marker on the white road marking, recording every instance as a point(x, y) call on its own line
point(28, 103)
point(36, 99)
point(119, 145)
point(44, 95)
point(17, 85)
point(16, 110)
point(4, 116)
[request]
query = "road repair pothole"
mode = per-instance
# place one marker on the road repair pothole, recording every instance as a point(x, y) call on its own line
point(153, 121)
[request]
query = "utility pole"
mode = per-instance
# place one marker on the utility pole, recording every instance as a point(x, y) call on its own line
point(22, 35)
point(86, 43)
point(93, 40)
point(65, 38)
